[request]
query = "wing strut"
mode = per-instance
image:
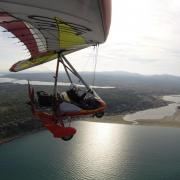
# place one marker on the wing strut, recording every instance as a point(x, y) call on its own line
point(75, 72)
point(56, 76)
point(67, 66)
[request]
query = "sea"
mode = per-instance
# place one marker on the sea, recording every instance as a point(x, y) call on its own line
point(98, 151)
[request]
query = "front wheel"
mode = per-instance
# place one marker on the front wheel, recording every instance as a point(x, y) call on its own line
point(67, 138)
point(99, 114)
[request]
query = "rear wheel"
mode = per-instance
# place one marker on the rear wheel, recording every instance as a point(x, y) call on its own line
point(99, 114)
point(67, 138)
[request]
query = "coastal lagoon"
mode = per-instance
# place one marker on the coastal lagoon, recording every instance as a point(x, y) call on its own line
point(44, 83)
point(98, 151)
point(156, 113)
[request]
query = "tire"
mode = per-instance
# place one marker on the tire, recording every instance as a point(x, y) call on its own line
point(67, 138)
point(99, 114)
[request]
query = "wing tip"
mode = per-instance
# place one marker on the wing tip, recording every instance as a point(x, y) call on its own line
point(13, 68)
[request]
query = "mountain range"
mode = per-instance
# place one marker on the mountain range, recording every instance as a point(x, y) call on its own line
point(119, 79)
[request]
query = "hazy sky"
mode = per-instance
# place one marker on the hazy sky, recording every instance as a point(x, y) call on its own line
point(144, 38)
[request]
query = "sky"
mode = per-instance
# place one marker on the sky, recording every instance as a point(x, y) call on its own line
point(144, 38)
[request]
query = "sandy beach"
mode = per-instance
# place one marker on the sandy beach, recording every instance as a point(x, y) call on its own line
point(118, 119)
point(168, 121)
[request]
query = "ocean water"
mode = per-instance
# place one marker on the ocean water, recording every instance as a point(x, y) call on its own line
point(99, 151)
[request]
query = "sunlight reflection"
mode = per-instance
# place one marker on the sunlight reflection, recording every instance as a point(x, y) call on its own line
point(104, 135)
point(103, 131)
point(103, 145)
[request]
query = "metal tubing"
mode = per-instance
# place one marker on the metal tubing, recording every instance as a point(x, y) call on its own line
point(65, 68)
point(76, 73)
point(56, 77)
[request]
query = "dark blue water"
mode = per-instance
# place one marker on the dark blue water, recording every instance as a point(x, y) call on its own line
point(98, 151)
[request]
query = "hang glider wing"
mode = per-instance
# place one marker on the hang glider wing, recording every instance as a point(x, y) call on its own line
point(49, 27)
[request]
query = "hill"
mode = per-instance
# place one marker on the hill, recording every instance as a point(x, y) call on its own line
point(161, 84)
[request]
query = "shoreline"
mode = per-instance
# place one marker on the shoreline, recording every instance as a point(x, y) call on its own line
point(115, 119)
point(9, 139)
point(167, 121)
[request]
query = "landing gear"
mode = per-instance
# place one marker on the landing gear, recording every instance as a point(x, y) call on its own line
point(99, 114)
point(67, 138)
